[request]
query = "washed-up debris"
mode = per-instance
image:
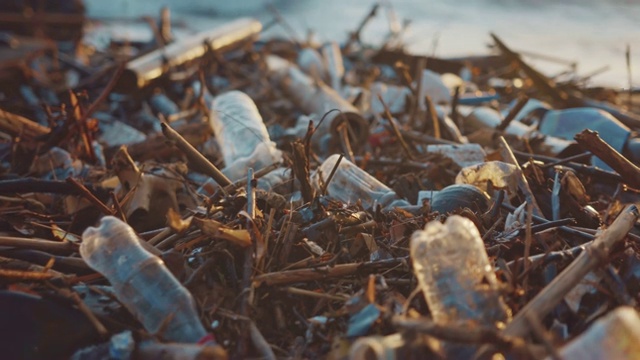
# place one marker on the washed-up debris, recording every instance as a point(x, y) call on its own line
point(218, 194)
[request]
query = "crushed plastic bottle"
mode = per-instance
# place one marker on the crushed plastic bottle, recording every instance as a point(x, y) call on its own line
point(242, 135)
point(455, 275)
point(311, 62)
point(350, 184)
point(462, 155)
point(434, 87)
point(500, 174)
point(57, 164)
point(141, 281)
point(565, 124)
point(614, 336)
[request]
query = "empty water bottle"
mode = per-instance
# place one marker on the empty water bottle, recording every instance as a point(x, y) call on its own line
point(455, 275)
point(350, 184)
point(141, 281)
point(242, 135)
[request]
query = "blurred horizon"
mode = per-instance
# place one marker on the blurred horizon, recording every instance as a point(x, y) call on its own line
point(592, 33)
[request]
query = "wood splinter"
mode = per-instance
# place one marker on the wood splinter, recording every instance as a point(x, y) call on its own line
point(590, 140)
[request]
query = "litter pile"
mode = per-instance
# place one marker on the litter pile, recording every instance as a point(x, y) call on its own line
point(214, 195)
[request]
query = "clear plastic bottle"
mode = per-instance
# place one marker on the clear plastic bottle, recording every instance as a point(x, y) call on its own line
point(455, 275)
point(141, 281)
point(614, 336)
point(350, 184)
point(242, 135)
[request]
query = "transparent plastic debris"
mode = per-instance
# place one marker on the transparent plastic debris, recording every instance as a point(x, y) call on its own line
point(463, 155)
point(484, 117)
point(141, 281)
point(500, 174)
point(363, 244)
point(566, 124)
point(98, 150)
point(311, 62)
point(315, 97)
point(614, 336)
point(426, 195)
point(299, 130)
point(351, 184)
point(361, 322)
point(57, 164)
point(455, 275)
point(242, 135)
point(395, 97)
point(447, 125)
point(334, 64)
point(279, 181)
point(315, 324)
point(531, 113)
point(555, 196)
point(517, 219)
point(377, 347)
point(487, 118)
point(120, 346)
point(276, 180)
point(587, 285)
point(434, 87)
point(114, 132)
point(161, 104)
point(358, 96)
point(72, 78)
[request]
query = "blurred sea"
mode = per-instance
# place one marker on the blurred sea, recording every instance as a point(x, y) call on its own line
point(594, 33)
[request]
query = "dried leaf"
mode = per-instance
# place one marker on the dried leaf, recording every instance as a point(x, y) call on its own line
point(215, 229)
point(176, 222)
point(62, 235)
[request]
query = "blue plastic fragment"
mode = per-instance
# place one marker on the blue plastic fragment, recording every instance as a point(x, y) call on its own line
point(360, 323)
point(477, 99)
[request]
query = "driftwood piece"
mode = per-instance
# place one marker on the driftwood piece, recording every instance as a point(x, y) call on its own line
point(55, 247)
point(17, 125)
point(197, 161)
point(591, 141)
point(594, 255)
point(324, 272)
point(157, 147)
